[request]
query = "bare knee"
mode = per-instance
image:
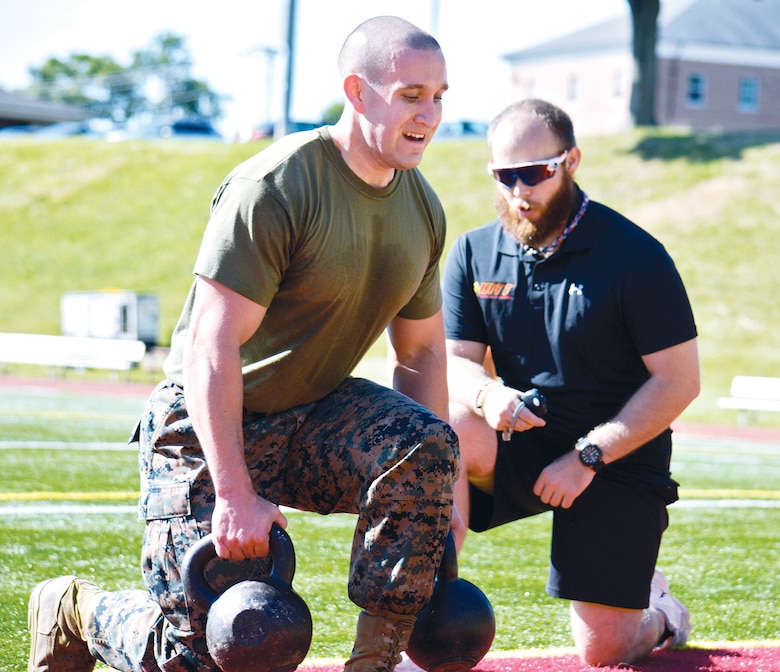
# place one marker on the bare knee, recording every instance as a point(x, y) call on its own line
point(477, 442)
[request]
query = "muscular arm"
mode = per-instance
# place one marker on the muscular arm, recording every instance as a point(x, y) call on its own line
point(673, 384)
point(213, 384)
point(417, 361)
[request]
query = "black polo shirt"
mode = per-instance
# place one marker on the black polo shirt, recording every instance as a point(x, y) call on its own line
point(575, 324)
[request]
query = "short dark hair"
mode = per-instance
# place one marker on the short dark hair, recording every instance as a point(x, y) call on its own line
point(367, 49)
point(554, 118)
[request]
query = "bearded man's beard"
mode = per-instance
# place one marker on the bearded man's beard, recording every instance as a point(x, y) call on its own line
point(552, 220)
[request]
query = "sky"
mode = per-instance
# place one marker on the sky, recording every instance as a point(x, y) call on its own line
point(230, 40)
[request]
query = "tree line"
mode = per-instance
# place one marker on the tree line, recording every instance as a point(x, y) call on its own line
point(158, 80)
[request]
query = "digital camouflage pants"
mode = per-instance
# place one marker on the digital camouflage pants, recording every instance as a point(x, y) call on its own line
point(363, 449)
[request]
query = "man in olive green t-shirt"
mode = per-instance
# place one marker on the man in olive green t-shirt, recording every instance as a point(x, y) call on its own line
point(314, 247)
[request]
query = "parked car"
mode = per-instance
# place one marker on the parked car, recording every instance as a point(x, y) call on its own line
point(189, 128)
point(67, 129)
point(195, 128)
point(462, 129)
point(19, 130)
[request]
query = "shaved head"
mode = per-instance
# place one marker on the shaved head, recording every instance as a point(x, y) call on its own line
point(369, 48)
point(532, 110)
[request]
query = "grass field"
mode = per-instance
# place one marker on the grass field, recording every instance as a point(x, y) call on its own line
point(68, 484)
point(92, 215)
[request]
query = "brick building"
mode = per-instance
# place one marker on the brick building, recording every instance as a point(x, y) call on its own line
point(717, 68)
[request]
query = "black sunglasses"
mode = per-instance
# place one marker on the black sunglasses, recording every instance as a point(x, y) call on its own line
point(530, 174)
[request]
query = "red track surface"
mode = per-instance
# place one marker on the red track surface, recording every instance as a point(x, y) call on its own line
point(717, 659)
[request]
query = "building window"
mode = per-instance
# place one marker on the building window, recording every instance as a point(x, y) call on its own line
point(573, 85)
point(695, 95)
point(748, 95)
point(618, 84)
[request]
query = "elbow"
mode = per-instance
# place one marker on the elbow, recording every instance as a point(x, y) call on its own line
point(695, 387)
point(688, 389)
point(693, 380)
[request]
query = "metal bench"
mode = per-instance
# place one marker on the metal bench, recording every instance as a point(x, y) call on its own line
point(71, 352)
point(751, 394)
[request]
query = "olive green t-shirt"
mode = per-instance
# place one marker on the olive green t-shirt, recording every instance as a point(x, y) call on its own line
point(333, 259)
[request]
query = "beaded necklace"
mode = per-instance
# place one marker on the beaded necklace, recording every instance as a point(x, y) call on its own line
point(550, 249)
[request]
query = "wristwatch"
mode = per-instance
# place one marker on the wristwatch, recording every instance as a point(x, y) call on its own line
point(590, 454)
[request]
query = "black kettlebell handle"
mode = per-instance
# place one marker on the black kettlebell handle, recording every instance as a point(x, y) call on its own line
point(448, 570)
point(282, 554)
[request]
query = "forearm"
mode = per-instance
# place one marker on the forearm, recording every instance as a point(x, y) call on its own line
point(213, 388)
point(650, 411)
point(468, 380)
point(672, 386)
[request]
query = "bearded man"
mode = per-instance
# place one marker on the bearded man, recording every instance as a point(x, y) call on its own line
point(573, 299)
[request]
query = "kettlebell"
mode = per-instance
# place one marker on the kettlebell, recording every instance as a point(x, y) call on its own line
point(456, 628)
point(257, 625)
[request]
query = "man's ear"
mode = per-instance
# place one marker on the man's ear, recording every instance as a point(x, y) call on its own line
point(573, 159)
point(353, 90)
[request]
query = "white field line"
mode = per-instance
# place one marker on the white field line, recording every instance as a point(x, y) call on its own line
point(66, 508)
point(70, 504)
point(67, 445)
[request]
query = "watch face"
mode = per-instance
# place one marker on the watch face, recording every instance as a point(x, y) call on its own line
point(590, 454)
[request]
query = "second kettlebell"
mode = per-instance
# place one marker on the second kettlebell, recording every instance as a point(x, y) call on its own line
point(457, 627)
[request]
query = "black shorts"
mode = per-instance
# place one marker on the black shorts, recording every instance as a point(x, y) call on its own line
point(604, 548)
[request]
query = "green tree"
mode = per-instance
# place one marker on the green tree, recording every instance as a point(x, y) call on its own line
point(98, 84)
point(158, 80)
point(333, 113)
point(168, 61)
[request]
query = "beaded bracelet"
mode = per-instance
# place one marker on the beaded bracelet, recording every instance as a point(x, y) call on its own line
point(480, 398)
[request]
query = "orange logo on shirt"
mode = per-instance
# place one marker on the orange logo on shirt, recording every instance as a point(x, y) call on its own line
point(494, 290)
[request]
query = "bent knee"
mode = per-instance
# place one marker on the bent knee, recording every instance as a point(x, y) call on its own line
point(605, 635)
point(435, 461)
point(478, 443)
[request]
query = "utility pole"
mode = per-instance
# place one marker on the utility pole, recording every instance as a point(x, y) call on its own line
point(435, 18)
point(270, 56)
point(286, 125)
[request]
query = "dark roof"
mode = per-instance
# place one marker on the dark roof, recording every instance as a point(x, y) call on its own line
point(611, 34)
point(753, 24)
point(17, 108)
point(738, 23)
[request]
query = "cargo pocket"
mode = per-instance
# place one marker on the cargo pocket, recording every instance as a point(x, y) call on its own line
point(165, 500)
point(170, 531)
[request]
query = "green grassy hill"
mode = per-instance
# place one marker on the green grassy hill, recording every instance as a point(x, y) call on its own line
point(89, 215)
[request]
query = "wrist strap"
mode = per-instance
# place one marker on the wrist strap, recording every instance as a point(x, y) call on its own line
point(479, 400)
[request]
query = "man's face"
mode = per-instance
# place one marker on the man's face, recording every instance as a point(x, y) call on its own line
point(532, 214)
point(402, 112)
point(545, 219)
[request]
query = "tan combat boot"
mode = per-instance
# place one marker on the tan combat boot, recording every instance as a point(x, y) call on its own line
point(56, 618)
point(379, 642)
